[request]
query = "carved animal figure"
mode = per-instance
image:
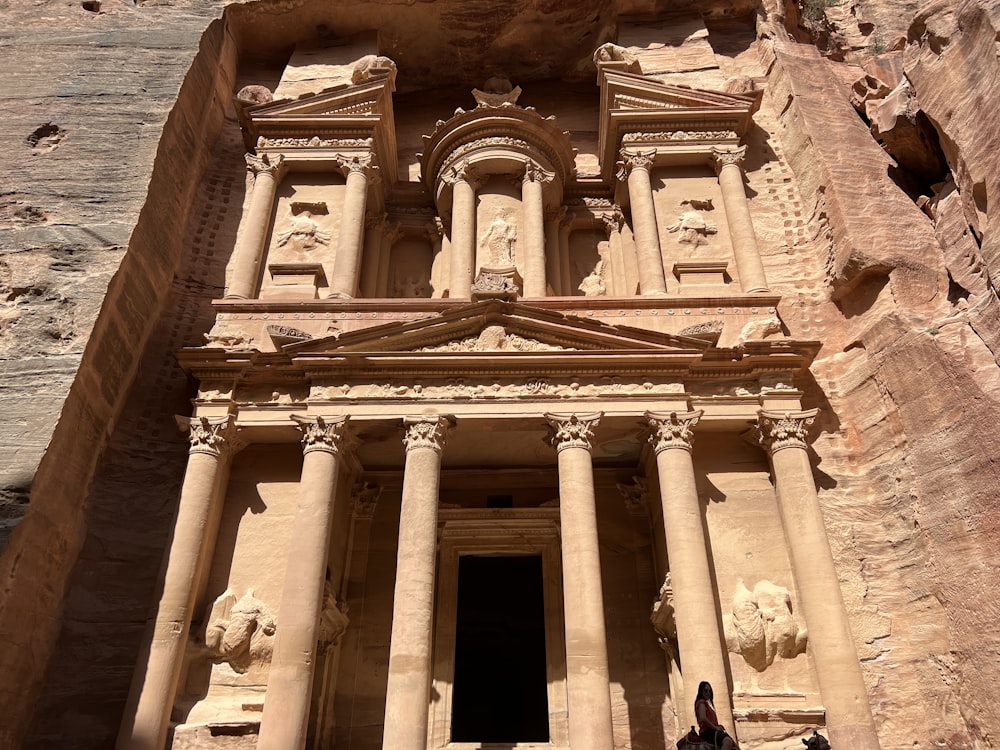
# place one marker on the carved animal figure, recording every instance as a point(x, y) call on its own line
point(761, 625)
point(693, 228)
point(817, 742)
point(240, 631)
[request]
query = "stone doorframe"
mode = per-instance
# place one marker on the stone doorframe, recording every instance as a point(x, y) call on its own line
point(501, 532)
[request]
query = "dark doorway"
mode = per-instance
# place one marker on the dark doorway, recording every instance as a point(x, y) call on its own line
point(500, 692)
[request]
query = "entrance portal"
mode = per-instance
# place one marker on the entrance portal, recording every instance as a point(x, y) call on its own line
point(500, 690)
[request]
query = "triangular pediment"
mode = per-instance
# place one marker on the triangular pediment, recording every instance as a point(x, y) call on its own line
point(688, 121)
point(372, 98)
point(503, 328)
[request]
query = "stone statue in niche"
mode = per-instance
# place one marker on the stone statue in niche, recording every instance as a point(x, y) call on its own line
point(691, 227)
point(762, 626)
point(593, 283)
point(240, 631)
point(302, 233)
point(333, 619)
point(498, 242)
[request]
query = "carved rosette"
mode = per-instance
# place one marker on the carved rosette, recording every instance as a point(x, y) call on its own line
point(425, 432)
point(789, 429)
point(631, 160)
point(724, 157)
point(672, 430)
point(322, 434)
point(572, 430)
point(361, 163)
point(534, 173)
point(364, 498)
point(270, 164)
point(210, 435)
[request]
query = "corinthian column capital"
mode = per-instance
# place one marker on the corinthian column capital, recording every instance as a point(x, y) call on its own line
point(572, 430)
point(534, 173)
point(425, 432)
point(723, 157)
point(363, 163)
point(322, 434)
point(672, 430)
point(462, 172)
point(209, 435)
point(784, 429)
point(273, 165)
point(632, 160)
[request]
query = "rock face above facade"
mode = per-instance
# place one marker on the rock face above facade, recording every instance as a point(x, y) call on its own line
point(115, 228)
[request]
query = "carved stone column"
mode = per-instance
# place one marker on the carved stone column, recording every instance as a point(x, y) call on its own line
point(249, 250)
point(612, 228)
point(347, 264)
point(831, 644)
point(553, 254)
point(408, 689)
point(533, 205)
point(699, 635)
point(285, 720)
point(155, 681)
point(391, 232)
point(463, 231)
point(372, 259)
point(590, 723)
point(566, 268)
point(635, 167)
point(745, 251)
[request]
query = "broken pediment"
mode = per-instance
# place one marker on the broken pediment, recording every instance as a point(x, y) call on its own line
point(319, 126)
point(682, 123)
point(495, 326)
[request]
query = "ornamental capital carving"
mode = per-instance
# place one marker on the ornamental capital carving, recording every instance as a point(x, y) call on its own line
point(572, 430)
point(361, 163)
point(672, 430)
point(784, 429)
point(534, 173)
point(364, 498)
point(462, 172)
point(724, 157)
point(322, 433)
point(631, 160)
point(209, 435)
point(374, 220)
point(426, 432)
point(271, 164)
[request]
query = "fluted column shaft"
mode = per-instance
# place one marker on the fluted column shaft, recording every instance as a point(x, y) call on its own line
point(155, 683)
point(463, 232)
point(587, 682)
point(347, 264)
point(831, 643)
point(249, 250)
point(699, 636)
point(734, 196)
point(647, 239)
point(285, 720)
point(533, 204)
point(408, 688)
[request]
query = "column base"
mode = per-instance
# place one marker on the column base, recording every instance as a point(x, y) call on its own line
point(339, 295)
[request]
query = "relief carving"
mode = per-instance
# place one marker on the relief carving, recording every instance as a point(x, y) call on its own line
point(374, 66)
point(593, 283)
point(498, 241)
point(758, 330)
point(691, 227)
point(495, 339)
point(680, 135)
point(496, 284)
point(761, 626)
point(230, 339)
point(333, 620)
point(614, 53)
point(240, 631)
point(497, 92)
point(301, 232)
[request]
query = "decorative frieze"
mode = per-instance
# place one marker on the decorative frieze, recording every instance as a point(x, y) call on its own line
point(314, 142)
point(779, 430)
point(672, 430)
point(679, 135)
